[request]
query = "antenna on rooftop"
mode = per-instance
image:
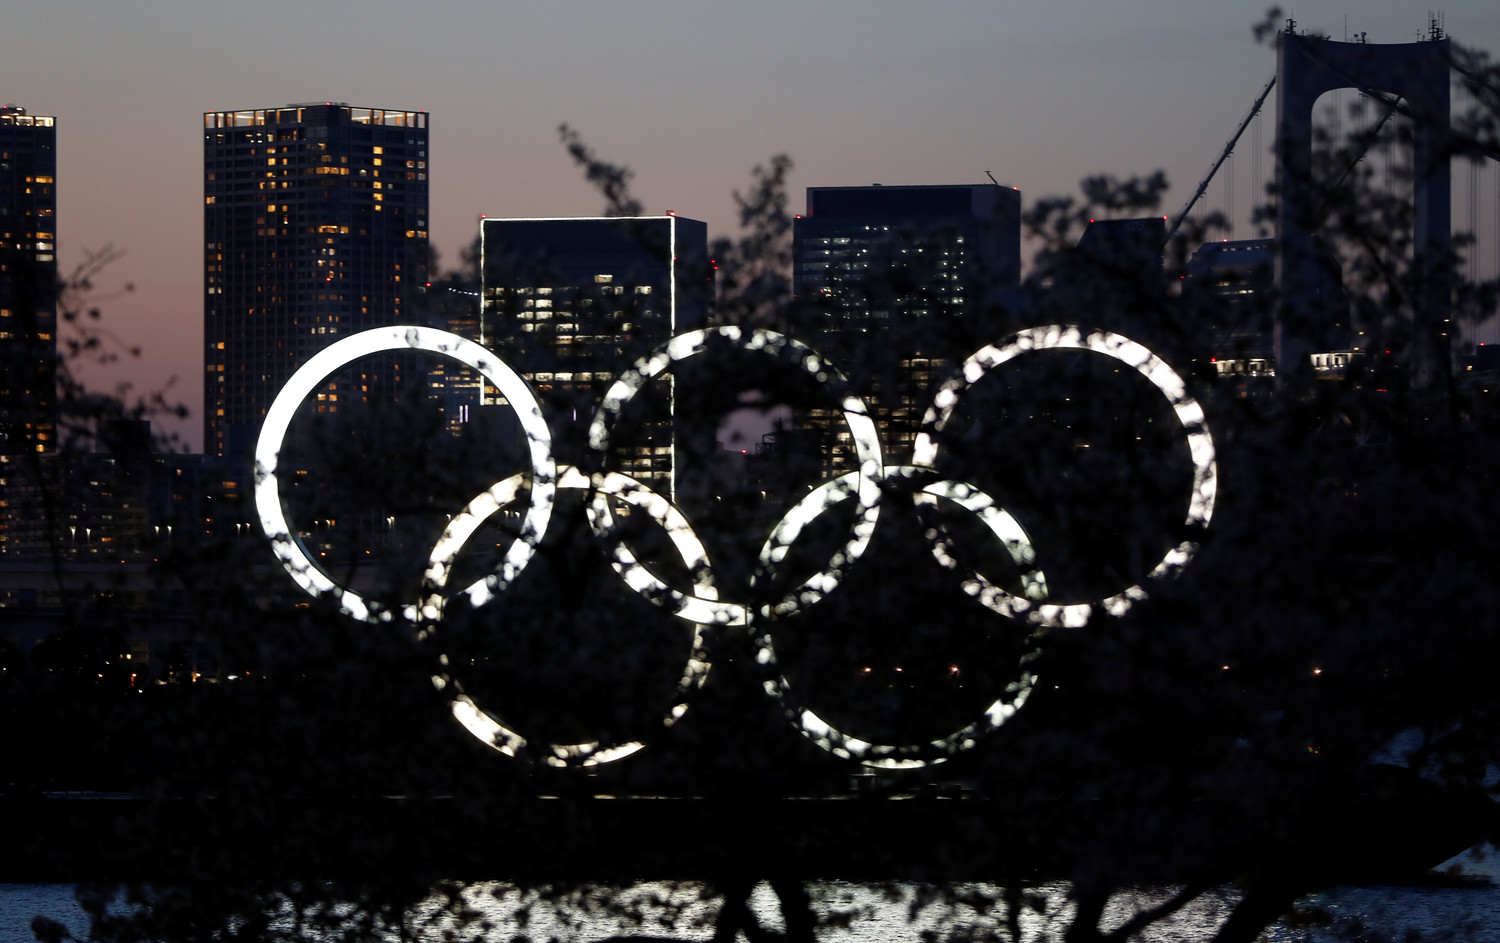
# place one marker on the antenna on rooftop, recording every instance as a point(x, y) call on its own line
point(992, 178)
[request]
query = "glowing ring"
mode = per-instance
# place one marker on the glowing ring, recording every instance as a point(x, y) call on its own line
point(702, 606)
point(987, 593)
point(908, 756)
point(861, 430)
point(304, 570)
point(1164, 378)
point(489, 729)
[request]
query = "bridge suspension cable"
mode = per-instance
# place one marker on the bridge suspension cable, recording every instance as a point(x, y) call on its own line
point(1228, 150)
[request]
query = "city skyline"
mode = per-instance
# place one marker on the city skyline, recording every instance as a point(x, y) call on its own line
point(1039, 97)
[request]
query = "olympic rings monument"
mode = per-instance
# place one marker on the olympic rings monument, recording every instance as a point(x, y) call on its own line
point(1026, 609)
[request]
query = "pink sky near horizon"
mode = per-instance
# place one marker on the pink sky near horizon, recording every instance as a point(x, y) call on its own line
point(690, 95)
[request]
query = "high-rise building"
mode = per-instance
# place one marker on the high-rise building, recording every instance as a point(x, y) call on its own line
point(573, 302)
point(885, 269)
point(953, 240)
point(28, 281)
point(1238, 276)
point(315, 227)
point(1124, 248)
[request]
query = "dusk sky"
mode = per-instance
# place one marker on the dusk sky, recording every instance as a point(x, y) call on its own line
point(690, 95)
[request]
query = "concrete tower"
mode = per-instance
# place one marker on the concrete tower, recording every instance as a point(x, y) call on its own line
point(1417, 73)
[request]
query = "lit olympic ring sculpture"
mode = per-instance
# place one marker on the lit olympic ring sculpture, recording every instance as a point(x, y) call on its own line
point(702, 608)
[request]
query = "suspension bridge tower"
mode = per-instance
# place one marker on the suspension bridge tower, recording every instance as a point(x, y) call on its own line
point(1411, 77)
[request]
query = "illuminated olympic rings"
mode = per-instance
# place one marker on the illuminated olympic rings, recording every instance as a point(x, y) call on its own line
point(702, 608)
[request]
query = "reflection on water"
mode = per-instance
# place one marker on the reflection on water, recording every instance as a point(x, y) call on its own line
point(856, 913)
point(19, 903)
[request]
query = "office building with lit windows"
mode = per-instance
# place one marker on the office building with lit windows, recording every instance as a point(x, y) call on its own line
point(573, 302)
point(885, 270)
point(315, 227)
point(28, 281)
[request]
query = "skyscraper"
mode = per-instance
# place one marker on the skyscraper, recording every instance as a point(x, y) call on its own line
point(28, 281)
point(315, 227)
point(888, 270)
point(573, 302)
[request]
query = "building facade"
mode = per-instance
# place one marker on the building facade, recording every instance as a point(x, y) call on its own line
point(315, 227)
point(1232, 286)
point(887, 272)
point(573, 302)
point(1237, 275)
point(28, 281)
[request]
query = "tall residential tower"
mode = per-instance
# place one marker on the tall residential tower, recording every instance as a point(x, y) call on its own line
point(28, 281)
point(315, 227)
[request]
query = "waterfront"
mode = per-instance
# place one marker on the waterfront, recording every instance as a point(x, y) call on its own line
point(865, 913)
